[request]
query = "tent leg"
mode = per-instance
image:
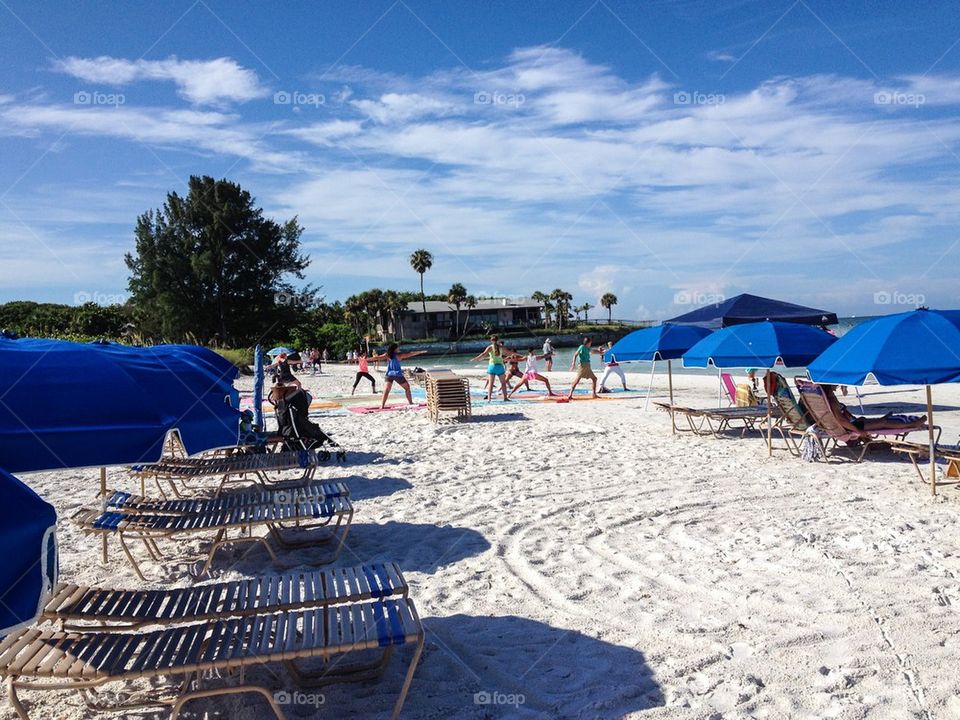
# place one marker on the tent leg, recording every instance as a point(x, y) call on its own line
point(653, 369)
point(933, 448)
point(859, 399)
point(673, 424)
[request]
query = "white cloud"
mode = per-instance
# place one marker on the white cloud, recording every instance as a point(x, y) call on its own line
point(202, 82)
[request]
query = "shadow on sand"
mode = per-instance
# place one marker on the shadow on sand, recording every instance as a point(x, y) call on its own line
point(364, 488)
point(506, 667)
point(416, 547)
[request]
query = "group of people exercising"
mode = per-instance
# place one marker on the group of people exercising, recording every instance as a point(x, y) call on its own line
point(504, 364)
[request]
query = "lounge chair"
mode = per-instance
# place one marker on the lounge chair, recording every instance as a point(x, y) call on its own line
point(730, 386)
point(716, 421)
point(447, 392)
point(181, 661)
point(833, 431)
point(916, 451)
point(132, 504)
point(78, 607)
point(180, 472)
point(227, 526)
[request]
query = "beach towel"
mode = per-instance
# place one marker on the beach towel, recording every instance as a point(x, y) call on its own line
point(746, 396)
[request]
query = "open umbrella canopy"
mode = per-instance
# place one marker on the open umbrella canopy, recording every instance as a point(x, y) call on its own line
point(28, 543)
point(663, 342)
point(746, 308)
point(71, 404)
point(920, 347)
point(281, 349)
point(759, 345)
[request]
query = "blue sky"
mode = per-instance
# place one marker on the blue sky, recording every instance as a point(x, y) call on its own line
point(670, 152)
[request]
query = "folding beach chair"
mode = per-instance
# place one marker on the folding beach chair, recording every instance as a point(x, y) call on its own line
point(180, 473)
point(189, 661)
point(695, 417)
point(833, 431)
point(329, 517)
point(916, 451)
point(730, 386)
point(447, 392)
point(78, 607)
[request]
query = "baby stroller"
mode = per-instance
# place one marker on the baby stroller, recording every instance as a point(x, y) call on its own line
point(292, 406)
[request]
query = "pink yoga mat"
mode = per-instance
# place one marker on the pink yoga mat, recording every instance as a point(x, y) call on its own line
point(364, 409)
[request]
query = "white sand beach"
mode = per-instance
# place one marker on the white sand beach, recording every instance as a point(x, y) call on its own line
point(579, 561)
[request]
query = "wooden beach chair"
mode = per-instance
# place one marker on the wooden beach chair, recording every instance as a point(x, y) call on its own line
point(330, 518)
point(206, 659)
point(447, 392)
point(832, 430)
point(79, 607)
point(181, 473)
point(916, 451)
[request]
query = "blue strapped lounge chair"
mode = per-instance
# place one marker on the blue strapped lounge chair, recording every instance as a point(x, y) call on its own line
point(182, 662)
point(333, 515)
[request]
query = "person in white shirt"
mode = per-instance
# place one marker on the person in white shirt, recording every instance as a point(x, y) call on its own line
point(548, 354)
point(530, 373)
point(612, 367)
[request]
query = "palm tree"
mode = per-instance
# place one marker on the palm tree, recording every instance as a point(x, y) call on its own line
point(470, 302)
point(586, 308)
point(548, 309)
point(608, 301)
point(562, 299)
point(456, 296)
point(421, 261)
point(541, 298)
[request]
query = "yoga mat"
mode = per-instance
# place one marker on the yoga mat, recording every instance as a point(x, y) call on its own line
point(364, 410)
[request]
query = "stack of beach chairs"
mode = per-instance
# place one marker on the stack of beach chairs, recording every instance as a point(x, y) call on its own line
point(447, 392)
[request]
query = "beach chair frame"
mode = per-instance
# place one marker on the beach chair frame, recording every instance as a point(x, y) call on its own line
point(228, 526)
point(182, 660)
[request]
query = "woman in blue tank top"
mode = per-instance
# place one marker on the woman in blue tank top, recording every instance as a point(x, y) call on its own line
point(394, 374)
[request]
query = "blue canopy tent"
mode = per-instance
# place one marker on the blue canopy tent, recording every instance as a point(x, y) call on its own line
point(80, 405)
point(746, 308)
point(921, 347)
point(762, 344)
point(29, 545)
point(663, 342)
point(69, 405)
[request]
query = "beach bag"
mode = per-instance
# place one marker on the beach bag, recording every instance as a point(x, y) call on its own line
point(746, 396)
point(810, 449)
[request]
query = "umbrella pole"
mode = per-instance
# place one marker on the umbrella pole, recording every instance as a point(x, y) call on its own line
point(653, 369)
point(103, 505)
point(769, 430)
point(673, 425)
point(933, 458)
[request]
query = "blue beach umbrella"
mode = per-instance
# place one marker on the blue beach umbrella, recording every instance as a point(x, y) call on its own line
point(921, 347)
point(280, 349)
point(663, 342)
point(762, 344)
point(29, 546)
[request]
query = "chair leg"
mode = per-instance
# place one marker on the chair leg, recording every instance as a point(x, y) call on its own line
point(14, 700)
point(414, 661)
point(236, 690)
point(130, 557)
